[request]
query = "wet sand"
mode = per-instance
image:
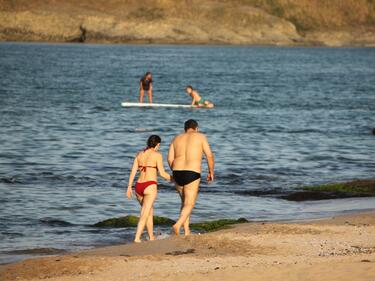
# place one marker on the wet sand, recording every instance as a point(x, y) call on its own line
point(340, 248)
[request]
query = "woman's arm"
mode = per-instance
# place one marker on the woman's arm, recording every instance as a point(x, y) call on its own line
point(150, 93)
point(133, 173)
point(160, 165)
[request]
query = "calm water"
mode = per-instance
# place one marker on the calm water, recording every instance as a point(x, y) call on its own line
point(285, 117)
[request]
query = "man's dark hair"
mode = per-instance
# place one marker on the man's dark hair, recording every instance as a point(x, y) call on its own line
point(153, 141)
point(373, 131)
point(189, 87)
point(191, 124)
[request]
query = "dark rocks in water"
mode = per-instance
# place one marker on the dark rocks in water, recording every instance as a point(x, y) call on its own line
point(260, 192)
point(315, 195)
point(209, 226)
point(356, 188)
point(131, 221)
point(55, 222)
point(366, 186)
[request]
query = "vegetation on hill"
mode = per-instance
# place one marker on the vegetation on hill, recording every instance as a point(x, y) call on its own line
point(276, 22)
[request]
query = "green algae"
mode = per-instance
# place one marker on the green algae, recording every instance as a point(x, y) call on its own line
point(354, 187)
point(131, 221)
point(209, 226)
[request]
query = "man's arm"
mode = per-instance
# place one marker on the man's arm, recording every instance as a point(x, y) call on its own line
point(210, 160)
point(171, 155)
point(193, 100)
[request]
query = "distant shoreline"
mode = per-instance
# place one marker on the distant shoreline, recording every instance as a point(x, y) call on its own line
point(366, 46)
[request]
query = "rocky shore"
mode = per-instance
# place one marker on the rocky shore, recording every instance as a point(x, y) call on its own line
point(239, 22)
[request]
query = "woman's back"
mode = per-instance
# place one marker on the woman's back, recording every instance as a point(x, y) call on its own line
point(147, 163)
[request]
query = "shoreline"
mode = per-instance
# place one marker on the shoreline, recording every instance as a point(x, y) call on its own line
point(316, 244)
point(194, 44)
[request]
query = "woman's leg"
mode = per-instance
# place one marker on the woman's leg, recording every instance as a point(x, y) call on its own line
point(147, 204)
point(208, 104)
point(141, 95)
point(150, 224)
point(149, 96)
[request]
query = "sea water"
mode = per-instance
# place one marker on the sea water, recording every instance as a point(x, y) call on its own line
point(283, 118)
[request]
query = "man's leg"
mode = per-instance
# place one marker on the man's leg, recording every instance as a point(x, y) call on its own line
point(187, 222)
point(190, 193)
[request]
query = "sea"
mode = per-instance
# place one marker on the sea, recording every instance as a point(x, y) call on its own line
point(283, 118)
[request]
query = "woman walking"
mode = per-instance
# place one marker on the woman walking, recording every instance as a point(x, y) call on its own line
point(148, 162)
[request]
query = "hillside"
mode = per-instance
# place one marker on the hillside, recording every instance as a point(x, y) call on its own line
point(269, 22)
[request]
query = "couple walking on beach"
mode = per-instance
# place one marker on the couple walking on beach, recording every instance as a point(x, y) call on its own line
point(185, 159)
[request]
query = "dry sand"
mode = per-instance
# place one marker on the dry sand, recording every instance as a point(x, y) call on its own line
point(341, 248)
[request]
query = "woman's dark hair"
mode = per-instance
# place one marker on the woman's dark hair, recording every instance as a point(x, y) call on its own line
point(373, 131)
point(147, 74)
point(189, 87)
point(191, 124)
point(153, 141)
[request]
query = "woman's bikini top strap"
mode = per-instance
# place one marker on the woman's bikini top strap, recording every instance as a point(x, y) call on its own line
point(144, 168)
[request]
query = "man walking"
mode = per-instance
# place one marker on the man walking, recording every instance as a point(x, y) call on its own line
point(185, 159)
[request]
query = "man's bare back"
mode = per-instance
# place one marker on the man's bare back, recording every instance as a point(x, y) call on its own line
point(185, 159)
point(187, 150)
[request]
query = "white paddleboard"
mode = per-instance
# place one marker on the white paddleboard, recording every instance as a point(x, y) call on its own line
point(138, 104)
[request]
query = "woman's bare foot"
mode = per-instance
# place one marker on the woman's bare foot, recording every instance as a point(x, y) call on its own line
point(137, 241)
point(187, 232)
point(152, 238)
point(176, 230)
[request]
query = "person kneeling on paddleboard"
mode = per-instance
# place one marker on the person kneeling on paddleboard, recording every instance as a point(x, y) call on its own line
point(197, 100)
point(145, 84)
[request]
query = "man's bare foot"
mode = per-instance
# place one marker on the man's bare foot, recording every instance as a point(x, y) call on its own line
point(187, 232)
point(152, 238)
point(176, 230)
point(137, 241)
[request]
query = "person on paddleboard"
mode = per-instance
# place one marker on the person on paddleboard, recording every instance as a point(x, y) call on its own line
point(197, 100)
point(145, 85)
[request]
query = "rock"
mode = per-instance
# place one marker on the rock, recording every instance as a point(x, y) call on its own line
point(355, 188)
point(131, 221)
point(210, 226)
point(293, 22)
point(313, 196)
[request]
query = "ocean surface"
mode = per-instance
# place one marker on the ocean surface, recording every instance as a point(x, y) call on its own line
point(284, 117)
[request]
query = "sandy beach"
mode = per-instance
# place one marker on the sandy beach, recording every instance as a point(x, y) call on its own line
point(338, 248)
